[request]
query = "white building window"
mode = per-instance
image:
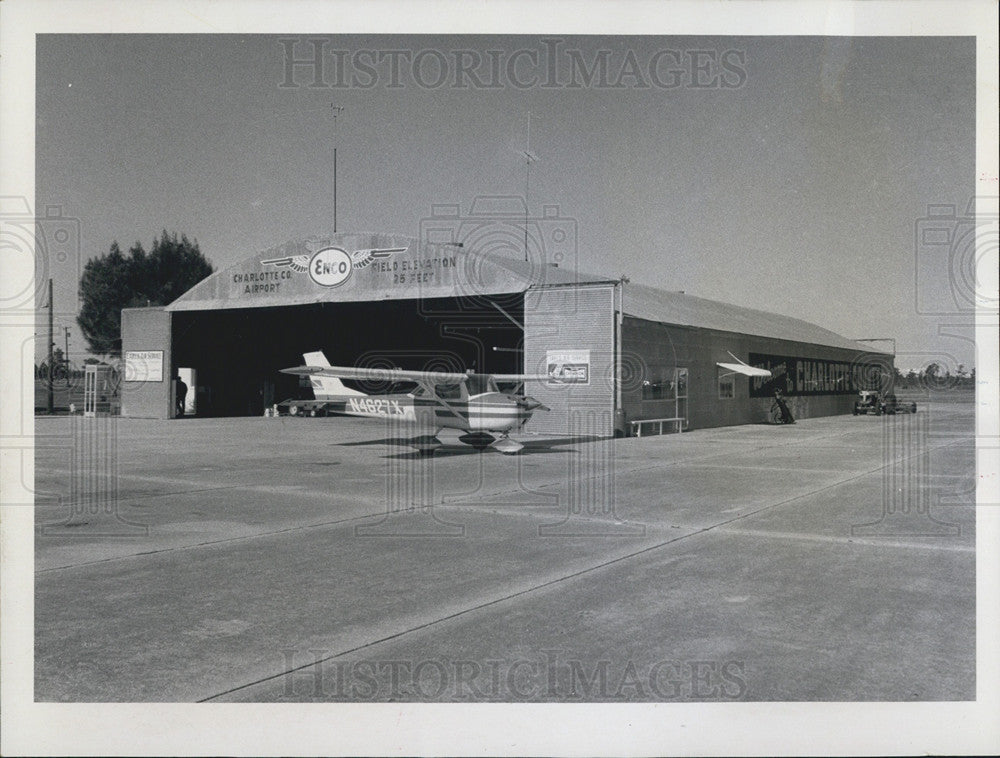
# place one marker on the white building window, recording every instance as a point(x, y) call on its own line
point(668, 385)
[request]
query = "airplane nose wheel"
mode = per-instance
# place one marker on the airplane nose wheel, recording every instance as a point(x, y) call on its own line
point(507, 446)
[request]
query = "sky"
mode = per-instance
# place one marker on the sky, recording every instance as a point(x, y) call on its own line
point(787, 174)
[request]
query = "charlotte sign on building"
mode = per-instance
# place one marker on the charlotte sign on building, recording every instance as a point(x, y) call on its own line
point(811, 376)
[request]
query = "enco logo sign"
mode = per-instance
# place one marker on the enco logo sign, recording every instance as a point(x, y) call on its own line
point(330, 267)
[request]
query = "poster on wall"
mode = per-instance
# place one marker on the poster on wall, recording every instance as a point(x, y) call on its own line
point(568, 366)
point(143, 365)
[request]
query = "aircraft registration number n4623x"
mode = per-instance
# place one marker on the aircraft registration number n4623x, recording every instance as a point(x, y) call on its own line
point(470, 402)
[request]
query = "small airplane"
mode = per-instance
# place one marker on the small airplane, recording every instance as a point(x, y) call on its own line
point(471, 403)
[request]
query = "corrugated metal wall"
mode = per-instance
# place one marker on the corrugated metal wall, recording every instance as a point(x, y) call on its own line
point(648, 346)
point(147, 329)
point(572, 319)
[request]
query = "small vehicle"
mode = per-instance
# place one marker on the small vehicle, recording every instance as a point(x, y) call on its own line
point(876, 403)
point(867, 403)
point(891, 405)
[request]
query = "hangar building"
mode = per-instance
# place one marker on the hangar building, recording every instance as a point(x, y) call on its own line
point(617, 352)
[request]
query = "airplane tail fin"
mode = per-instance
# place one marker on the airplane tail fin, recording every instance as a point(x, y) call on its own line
point(327, 387)
point(316, 359)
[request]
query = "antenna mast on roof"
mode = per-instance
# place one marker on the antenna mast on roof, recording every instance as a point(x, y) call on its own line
point(337, 110)
point(528, 159)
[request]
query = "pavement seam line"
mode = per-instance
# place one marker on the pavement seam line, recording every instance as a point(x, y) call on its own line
point(867, 542)
point(381, 513)
point(145, 553)
point(526, 591)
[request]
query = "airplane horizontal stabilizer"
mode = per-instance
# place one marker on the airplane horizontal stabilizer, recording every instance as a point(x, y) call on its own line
point(522, 377)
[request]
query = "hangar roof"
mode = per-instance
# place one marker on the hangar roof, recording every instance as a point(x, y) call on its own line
point(686, 310)
point(366, 266)
point(682, 309)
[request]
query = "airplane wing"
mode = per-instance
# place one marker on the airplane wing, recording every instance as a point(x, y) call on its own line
point(425, 378)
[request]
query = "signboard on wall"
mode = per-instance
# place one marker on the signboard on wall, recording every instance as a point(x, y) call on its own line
point(143, 365)
point(568, 366)
point(812, 376)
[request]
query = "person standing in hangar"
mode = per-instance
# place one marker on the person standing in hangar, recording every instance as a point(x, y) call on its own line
point(181, 390)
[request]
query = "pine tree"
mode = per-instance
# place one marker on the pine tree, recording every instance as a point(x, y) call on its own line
point(114, 281)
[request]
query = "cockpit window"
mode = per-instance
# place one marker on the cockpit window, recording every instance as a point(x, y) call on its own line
point(449, 391)
point(480, 383)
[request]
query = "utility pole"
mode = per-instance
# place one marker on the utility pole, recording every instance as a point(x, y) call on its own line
point(51, 345)
point(66, 354)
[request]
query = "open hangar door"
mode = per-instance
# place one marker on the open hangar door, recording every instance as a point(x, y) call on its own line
point(238, 354)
